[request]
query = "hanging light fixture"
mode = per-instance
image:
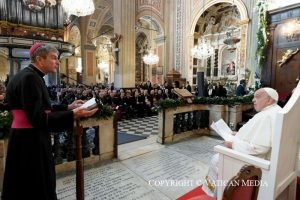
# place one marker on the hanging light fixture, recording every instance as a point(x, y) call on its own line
point(150, 58)
point(78, 7)
point(38, 5)
point(203, 49)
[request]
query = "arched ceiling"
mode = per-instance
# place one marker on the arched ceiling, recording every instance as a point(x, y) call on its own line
point(74, 37)
point(218, 11)
point(101, 17)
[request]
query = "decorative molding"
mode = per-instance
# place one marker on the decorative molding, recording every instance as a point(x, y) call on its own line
point(15, 42)
point(4, 52)
point(90, 47)
point(157, 5)
point(280, 14)
point(160, 39)
point(178, 36)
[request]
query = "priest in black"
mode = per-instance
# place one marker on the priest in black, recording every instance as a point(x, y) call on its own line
point(30, 170)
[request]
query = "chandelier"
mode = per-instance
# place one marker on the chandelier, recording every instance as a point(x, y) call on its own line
point(78, 7)
point(151, 58)
point(38, 5)
point(202, 50)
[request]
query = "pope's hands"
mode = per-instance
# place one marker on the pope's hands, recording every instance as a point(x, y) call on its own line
point(83, 112)
point(75, 104)
point(228, 144)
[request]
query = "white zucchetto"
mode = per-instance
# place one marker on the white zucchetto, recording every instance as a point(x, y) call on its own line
point(272, 93)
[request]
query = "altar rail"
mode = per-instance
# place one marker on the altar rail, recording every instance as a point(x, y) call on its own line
point(185, 121)
point(105, 143)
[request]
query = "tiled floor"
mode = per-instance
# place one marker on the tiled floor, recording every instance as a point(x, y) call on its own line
point(147, 125)
point(145, 169)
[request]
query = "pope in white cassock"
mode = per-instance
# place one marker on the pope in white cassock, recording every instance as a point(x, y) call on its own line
point(254, 138)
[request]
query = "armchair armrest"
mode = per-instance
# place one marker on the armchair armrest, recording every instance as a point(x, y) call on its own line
point(259, 162)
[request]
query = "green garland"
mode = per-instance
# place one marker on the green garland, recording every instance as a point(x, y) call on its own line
point(104, 112)
point(168, 103)
point(230, 101)
point(5, 123)
point(262, 38)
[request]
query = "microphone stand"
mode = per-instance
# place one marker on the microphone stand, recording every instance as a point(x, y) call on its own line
point(79, 159)
point(68, 77)
point(79, 163)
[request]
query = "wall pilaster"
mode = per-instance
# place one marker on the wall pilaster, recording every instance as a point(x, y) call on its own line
point(124, 23)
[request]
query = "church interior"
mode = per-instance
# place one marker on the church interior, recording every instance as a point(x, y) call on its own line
point(164, 71)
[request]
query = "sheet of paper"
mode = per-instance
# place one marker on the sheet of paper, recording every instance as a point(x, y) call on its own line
point(222, 129)
point(90, 104)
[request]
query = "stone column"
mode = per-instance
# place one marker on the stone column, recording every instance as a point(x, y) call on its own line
point(124, 23)
point(89, 64)
point(88, 54)
point(244, 30)
point(170, 32)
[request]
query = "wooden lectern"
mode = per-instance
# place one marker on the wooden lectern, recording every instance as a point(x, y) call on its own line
point(184, 94)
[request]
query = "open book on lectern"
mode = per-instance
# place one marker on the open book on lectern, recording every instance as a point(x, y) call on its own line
point(222, 129)
point(90, 104)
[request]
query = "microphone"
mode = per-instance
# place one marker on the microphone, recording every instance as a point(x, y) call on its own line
point(62, 76)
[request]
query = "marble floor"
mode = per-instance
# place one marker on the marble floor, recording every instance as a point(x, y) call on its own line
point(139, 126)
point(145, 170)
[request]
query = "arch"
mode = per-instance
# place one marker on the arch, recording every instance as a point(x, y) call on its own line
point(154, 20)
point(239, 4)
point(222, 50)
point(74, 36)
point(141, 42)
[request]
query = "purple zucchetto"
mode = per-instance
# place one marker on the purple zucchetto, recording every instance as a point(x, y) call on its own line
point(34, 47)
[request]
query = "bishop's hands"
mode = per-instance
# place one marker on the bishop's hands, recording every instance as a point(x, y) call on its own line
point(83, 112)
point(75, 104)
point(80, 112)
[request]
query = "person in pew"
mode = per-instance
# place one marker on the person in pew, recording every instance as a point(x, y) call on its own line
point(253, 138)
point(241, 90)
point(30, 171)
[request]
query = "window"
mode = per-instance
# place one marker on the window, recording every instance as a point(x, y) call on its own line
point(194, 80)
point(216, 63)
point(195, 61)
point(208, 67)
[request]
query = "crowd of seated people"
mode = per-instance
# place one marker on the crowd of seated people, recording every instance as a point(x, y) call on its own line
point(135, 102)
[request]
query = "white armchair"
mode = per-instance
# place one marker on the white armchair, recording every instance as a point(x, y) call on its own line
point(280, 173)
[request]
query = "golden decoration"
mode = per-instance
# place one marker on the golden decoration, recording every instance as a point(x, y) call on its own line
point(287, 56)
